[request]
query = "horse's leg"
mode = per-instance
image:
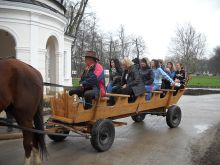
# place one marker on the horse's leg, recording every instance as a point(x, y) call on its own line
point(27, 142)
point(27, 161)
point(38, 139)
point(36, 155)
point(25, 121)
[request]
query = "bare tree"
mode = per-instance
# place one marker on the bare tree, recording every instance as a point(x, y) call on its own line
point(110, 44)
point(122, 40)
point(139, 47)
point(74, 14)
point(188, 46)
point(114, 47)
point(106, 46)
point(214, 61)
point(80, 46)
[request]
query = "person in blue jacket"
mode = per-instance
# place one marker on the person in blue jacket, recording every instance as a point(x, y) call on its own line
point(169, 69)
point(159, 74)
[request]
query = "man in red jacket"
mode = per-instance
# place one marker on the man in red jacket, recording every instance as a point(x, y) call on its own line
point(92, 81)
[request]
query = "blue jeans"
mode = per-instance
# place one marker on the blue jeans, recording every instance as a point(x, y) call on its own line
point(109, 87)
point(156, 87)
point(148, 88)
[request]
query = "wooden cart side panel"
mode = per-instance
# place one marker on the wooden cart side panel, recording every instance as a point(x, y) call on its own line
point(154, 102)
point(176, 98)
point(121, 107)
point(72, 108)
point(58, 106)
point(75, 112)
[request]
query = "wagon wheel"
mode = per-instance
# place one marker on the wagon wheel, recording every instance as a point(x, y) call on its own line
point(173, 116)
point(139, 117)
point(57, 138)
point(102, 135)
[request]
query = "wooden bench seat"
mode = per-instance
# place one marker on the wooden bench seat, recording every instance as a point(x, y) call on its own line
point(116, 95)
point(156, 92)
point(167, 90)
point(104, 98)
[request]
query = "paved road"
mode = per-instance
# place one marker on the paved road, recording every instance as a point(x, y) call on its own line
point(151, 142)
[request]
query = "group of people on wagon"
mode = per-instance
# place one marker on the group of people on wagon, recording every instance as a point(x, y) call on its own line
point(127, 77)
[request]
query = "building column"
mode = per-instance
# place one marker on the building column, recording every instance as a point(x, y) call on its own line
point(42, 62)
point(59, 67)
point(34, 39)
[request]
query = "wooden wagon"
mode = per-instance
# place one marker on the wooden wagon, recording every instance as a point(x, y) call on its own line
point(98, 123)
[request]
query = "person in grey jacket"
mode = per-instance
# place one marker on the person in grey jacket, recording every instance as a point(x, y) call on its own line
point(131, 84)
point(147, 76)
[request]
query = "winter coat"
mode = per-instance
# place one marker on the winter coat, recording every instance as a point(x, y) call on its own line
point(147, 76)
point(159, 74)
point(89, 80)
point(133, 79)
point(93, 78)
point(115, 76)
point(99, 72)
point(180, 75)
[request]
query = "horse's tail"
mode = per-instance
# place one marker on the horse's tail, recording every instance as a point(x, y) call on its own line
point(39, 125)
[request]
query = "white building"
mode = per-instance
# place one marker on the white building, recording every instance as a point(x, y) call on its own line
point(33, 31)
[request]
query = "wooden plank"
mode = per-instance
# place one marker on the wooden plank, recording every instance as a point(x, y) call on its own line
point(118, 124)
point(116, 95)
point(63, 119)
point(104, 98)
point(167, 90)
point(10, 136)
point(157, 92)
point(82, 130)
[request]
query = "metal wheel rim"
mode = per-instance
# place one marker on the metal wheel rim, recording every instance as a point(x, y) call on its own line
point(104, 135)
point(175, 117)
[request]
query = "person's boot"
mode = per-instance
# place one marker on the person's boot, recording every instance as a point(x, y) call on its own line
point(111, 101)
point(88, 104)
point(71, 92)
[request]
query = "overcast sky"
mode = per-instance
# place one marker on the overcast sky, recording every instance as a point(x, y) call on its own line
point(156, 20)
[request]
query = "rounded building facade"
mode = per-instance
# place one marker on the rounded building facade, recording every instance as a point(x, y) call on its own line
point(33, 31)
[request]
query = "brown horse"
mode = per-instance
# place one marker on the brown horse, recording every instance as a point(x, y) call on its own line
point(21, 95)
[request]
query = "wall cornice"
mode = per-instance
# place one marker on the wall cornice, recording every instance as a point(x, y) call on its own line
point(41, 4)
point(32, 8)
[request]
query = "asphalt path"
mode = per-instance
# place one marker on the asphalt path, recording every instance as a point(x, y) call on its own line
point(150, 142)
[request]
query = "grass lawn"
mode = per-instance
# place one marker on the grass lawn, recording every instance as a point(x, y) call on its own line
point(204, 81)
point(75, 81)
point(196, 81)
